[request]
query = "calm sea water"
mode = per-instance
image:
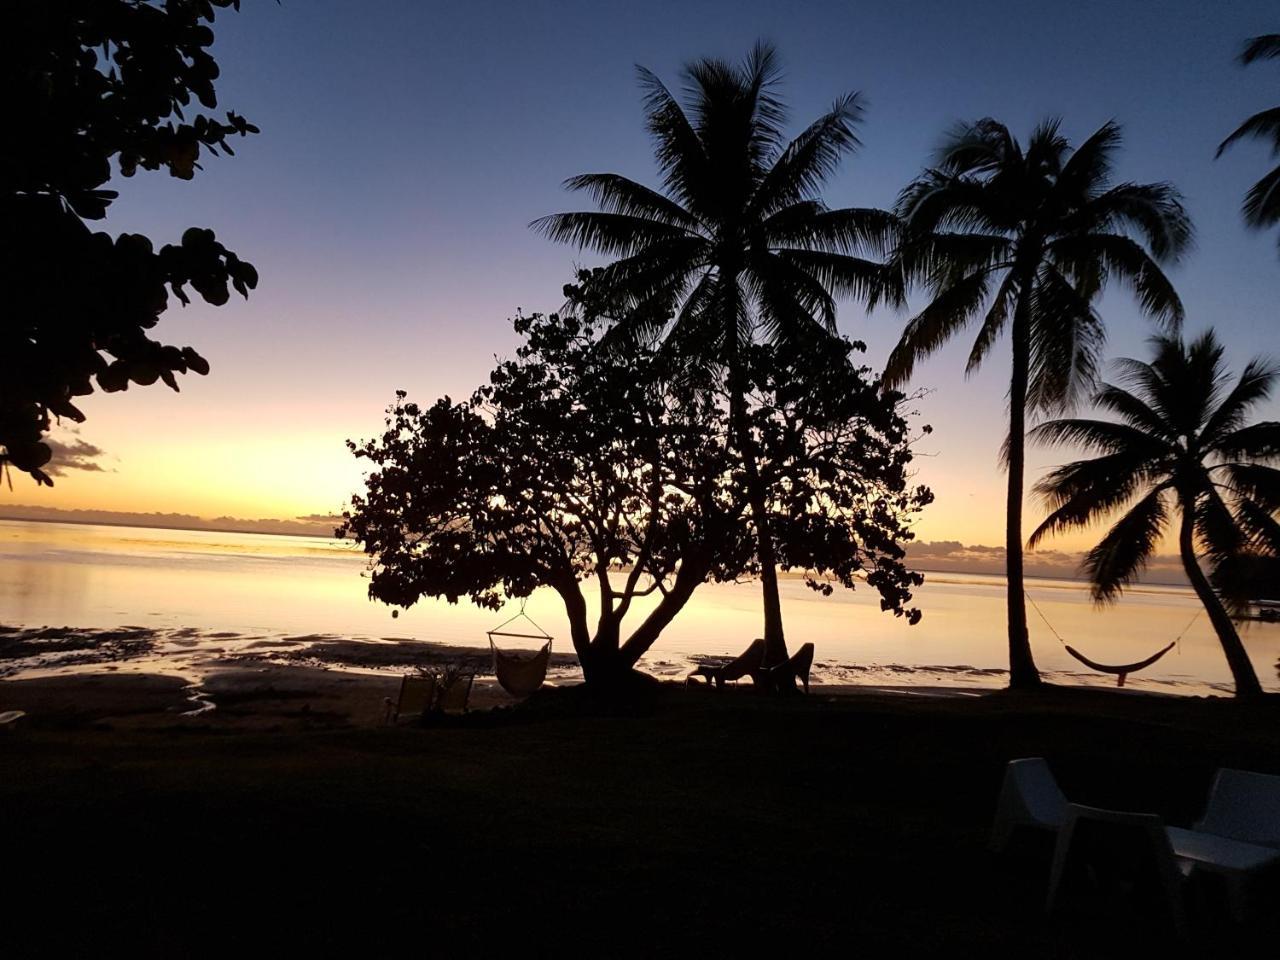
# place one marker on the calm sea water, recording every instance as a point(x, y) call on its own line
point(212, 594)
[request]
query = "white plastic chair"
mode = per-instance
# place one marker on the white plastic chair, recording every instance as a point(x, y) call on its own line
point(1029, 797)
point(1243, 805)
point(1117, 856)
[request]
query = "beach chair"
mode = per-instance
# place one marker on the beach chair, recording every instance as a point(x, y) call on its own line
point(453, 698)
point(1122, 863)
point(1243, 805)
point(783, 676)
point(749, 662)
point(415, 699)
point(1029, 797)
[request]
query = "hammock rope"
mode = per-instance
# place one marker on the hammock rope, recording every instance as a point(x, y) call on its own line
point(1120, 670)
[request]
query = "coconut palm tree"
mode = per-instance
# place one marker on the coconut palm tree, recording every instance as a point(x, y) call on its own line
point(1182, 446)
point(1262, 202)
point(1026, 239)
point(737, 244)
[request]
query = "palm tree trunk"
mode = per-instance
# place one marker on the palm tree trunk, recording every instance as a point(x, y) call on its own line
point(1022, 665)
point(1242, 672)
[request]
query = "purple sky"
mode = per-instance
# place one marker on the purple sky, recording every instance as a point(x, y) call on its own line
point(406, 146)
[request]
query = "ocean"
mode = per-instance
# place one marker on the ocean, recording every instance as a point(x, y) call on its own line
point(178, 601)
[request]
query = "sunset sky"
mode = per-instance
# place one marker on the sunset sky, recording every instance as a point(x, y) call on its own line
point(406, 145)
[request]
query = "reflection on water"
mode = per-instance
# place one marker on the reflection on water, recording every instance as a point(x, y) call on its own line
point(210, 594)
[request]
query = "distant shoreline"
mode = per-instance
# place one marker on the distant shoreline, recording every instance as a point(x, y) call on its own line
point(319, 534)
point(140, 524)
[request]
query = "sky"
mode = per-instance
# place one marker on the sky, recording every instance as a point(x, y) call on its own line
point(406, 146)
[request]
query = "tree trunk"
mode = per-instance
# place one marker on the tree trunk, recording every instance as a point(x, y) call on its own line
point(692, 572)
point(1242, 672)
point(775, 644)
point(1023, 674)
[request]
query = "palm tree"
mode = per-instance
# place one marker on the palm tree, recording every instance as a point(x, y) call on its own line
point(736, 244)
point(1027, 239)
point(1262, 202)
point(1181, 444)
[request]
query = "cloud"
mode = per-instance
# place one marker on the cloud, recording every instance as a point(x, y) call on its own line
point(952, 556)
point(73, 454)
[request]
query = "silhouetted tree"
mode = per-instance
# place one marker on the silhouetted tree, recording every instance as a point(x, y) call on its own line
point(737, 244)
point(1262, 202)
point(89, 82)
point(1026, 239)
point(577, 466)
point(1182, 443)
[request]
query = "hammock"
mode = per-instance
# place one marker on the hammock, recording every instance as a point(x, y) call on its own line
point(518, 673)
point(1121, 670)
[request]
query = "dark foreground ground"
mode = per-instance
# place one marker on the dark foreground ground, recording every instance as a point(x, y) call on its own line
point(711, 825)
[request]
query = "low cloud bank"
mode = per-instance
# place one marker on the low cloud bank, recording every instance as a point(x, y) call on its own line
point(952, 556)
point(314, 525)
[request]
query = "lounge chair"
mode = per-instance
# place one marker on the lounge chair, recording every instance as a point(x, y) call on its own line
point(1121, 861)
point(1029, 797)
point(453, 698)
point(1243, 805)
point(748, 663)
point(784, 675)
point(415, 699)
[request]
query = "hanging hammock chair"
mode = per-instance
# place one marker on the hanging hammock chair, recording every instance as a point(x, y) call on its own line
point(518, 673)
point(1120, 670)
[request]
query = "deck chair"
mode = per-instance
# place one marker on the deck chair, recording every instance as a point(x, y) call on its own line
point(1029, 797)
point(784, 675)
point(453, 698)
point(415, 699)
point(1120, 862)
point(1243, 805)
point(748, 663)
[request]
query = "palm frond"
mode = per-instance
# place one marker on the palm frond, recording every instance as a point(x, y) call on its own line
point(1254, 386)
point(1262, 203)
point(1067, 337)
point(678, 150)
point(1152, 211)
point(1255, 482)
point(1128, 262)
point(839, 274)
point(1104, 436)
point(976, 147)
point(1127, 547)
point(613, 234)
point(949, 312)
point(810, 159)
point(1258, 441)
point(1002, 306)
point(1263, 125)
point(1085, 491)
point(1265, 47)
point(1218, 534)
point(850, 230)
point(618, 194)
point(1135, 411)
point(1089, 167)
